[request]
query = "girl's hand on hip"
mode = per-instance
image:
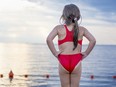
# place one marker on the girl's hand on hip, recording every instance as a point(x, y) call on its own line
point(58, 52)
point(84, 55)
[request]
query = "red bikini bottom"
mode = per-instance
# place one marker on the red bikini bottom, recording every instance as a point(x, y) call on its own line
point(69, 61)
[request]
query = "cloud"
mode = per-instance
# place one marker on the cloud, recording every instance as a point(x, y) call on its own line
point(100, 23)
point(29, 23)
point(39, 2)
point(32, 20)
point(10, 5)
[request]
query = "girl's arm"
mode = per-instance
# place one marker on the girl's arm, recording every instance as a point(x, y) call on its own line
point(50, 43)
point(92, 42)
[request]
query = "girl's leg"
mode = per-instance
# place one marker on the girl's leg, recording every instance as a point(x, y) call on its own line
point(64, 77)
point(75, 75)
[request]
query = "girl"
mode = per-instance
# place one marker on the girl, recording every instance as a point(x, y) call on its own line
point(70, 36)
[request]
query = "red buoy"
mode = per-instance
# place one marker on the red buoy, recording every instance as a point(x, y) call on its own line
point(47, 76)
point(114, 77)
point(25, 75)
point(1, 75)
point(11, 74)
point(92, 76)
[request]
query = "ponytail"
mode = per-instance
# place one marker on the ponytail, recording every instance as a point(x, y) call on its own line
point(76, 31)
point(72, 19)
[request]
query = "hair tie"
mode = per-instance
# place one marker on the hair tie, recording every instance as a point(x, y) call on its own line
point(75, 19)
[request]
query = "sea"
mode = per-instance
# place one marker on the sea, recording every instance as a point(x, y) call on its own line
point(33, 65)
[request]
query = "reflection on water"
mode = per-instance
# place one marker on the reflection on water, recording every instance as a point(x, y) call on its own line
point(33, 65)
point(24, 59)
point(12, 56)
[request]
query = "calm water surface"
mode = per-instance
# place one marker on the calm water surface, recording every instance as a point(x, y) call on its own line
point(36, 61)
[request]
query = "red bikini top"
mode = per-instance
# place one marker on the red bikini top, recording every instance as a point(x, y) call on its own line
point(68, 38)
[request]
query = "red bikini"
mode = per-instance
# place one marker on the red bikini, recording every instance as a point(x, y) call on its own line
point(69, 61)
point(68, 38)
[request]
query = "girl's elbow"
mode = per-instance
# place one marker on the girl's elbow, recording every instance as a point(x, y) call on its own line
point(48, 40)
point(93, 41)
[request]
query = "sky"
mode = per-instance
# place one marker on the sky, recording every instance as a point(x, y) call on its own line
point(30, 21)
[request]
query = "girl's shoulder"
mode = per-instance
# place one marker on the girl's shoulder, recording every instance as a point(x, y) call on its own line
point(82, 29)
point(59, 27)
